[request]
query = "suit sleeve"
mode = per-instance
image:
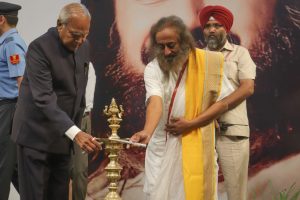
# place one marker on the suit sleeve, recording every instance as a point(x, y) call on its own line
point(44, 97)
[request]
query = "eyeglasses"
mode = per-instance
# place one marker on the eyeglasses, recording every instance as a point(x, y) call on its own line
point(213, 25)
point(76, 35)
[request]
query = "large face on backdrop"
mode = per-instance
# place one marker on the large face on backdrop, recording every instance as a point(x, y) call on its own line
point(261, 26)
point(140, 16)
point(134, 19)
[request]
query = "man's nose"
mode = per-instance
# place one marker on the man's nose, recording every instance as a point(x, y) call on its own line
point(80, 40)
point(167, 51)
point(212, 29)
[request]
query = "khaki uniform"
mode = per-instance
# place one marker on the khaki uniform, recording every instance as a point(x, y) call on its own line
point(232, 145)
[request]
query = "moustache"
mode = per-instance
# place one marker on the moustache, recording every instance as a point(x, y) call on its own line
point(211, 36)
point(170, 57)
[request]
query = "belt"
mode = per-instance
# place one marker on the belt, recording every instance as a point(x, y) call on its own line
point(8, 101)
point(86, 113)
point(224, 126)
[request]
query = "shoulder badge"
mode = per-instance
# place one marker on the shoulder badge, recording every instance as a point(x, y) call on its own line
point(14, 59)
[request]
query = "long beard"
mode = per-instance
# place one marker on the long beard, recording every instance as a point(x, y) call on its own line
point(212, 43)
point(172, 63)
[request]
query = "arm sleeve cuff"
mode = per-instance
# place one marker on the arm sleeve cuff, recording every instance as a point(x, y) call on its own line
point(72, 132)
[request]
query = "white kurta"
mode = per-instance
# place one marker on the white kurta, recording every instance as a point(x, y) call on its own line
point(163, 162)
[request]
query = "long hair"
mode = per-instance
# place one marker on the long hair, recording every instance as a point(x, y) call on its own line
point(186, 39)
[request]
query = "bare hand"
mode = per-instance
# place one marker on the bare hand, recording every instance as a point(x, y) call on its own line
point(177, 126)
point(86, 142)
point(142, 137)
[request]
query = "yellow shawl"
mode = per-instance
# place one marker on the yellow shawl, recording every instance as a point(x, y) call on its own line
point(203, 85)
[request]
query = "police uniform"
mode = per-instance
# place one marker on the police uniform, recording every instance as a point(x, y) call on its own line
point(12, 65)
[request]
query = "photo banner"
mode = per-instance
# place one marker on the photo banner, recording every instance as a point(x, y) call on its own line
point(270, 30)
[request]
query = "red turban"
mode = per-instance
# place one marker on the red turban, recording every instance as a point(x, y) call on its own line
point(220, 13)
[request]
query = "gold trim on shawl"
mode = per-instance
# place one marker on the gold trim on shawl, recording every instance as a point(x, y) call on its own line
point(198, 159)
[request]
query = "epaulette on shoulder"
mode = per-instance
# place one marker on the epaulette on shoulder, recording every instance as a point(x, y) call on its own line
point(9, 39)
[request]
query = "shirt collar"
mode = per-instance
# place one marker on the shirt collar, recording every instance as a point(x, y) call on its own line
point(7, 33)
point(227, 46)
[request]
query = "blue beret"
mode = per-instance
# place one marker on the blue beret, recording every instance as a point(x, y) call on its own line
point(9, 8)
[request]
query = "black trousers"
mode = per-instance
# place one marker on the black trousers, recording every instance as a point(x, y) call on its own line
point(42, 175)
point(8, 155)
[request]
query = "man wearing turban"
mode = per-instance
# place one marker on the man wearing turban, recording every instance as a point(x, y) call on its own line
point(232, 141)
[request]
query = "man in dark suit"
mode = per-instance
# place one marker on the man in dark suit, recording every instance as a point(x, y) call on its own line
point(50, 106)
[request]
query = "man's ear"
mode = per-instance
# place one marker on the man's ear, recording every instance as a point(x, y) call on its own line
point(2, 19)
point(59, 26)
point(58, 23)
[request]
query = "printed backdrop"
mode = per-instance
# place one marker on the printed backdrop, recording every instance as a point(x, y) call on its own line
point(270, 29)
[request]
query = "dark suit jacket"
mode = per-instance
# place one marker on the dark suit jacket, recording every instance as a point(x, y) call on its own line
point(51, 97)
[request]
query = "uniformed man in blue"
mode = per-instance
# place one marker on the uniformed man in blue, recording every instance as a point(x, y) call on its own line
point(12, 66)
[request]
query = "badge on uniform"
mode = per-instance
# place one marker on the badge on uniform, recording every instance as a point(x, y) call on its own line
point(14, 59)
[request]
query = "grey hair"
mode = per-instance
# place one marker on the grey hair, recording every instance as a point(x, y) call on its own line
point(71, 9)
